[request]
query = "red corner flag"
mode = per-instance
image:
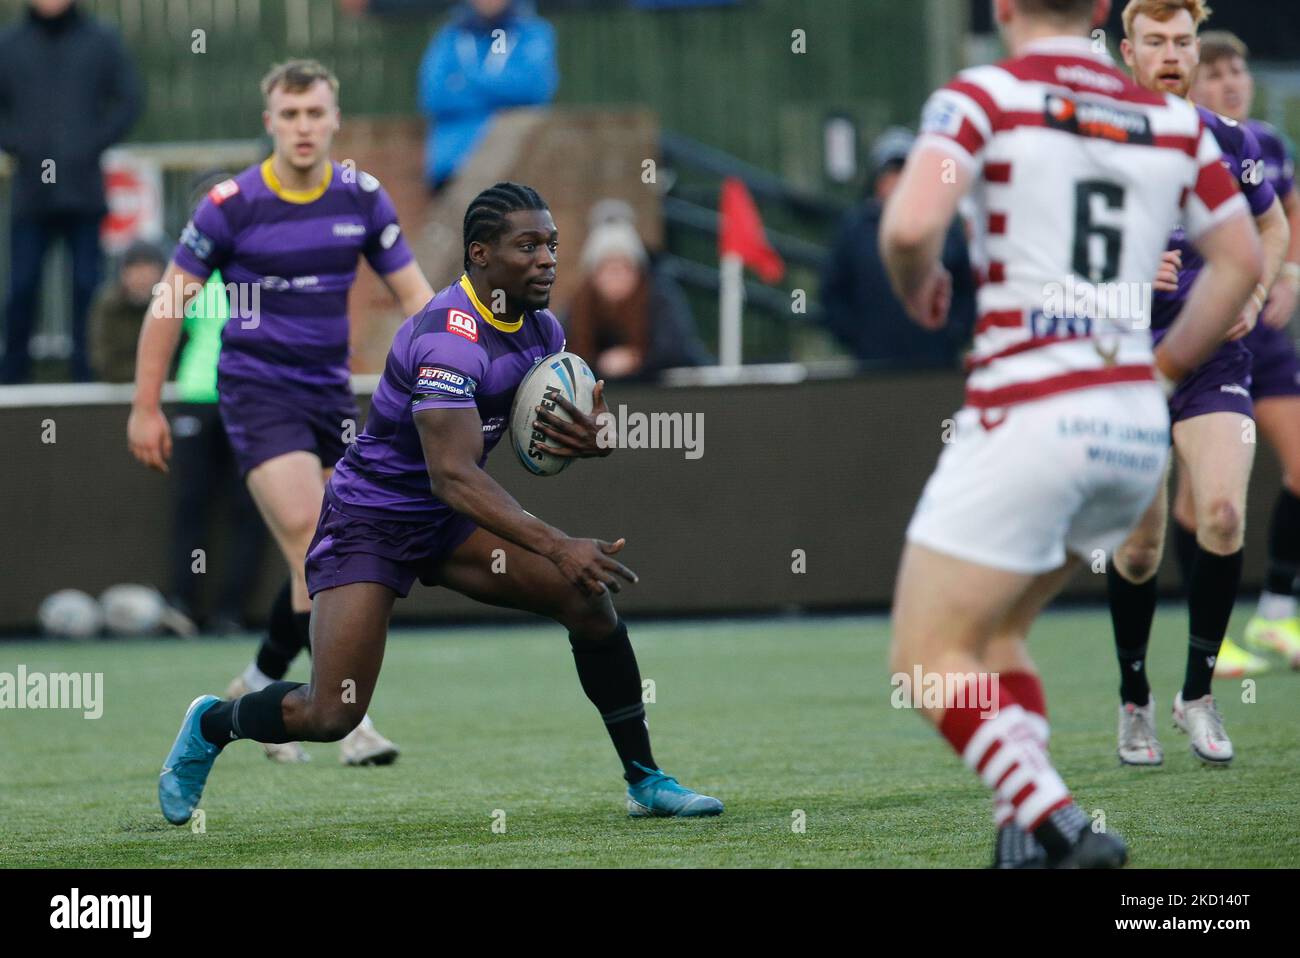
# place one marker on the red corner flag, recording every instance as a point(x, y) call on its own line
point(742, 232)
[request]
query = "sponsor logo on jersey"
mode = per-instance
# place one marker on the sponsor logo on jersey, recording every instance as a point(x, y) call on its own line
point(941, 116)
point(277, 284)
point(194, 240)
point(443, 381)
point(1234, 389)
point(389, 236)
point(1079, 75)
point(223, 191)
point(1098, 120)
point(462, 324)
point(349, 229)
point(303, 282)
point(367, 182)
point(494, 423)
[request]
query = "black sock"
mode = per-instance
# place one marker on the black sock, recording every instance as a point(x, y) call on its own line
point(1132, 607)
point(608, 672)
point(1185, 551)
point(256, 715)
point(1284, 545)
point(281, 643)
point(1215, 580)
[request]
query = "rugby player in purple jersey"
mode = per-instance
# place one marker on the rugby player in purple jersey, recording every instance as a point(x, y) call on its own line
point(1211, 412)
point(410, 500)
point(1224, 84)
point(286, 235)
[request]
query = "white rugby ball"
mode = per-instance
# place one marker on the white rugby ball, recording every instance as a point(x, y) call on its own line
point(132, 609)
point(559, 374)
point(70, 614)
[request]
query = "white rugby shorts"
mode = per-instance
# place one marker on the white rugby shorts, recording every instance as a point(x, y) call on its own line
point(1070, 473)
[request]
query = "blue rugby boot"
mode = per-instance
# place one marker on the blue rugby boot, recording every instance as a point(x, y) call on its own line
point(659, 795)
point(187, 766)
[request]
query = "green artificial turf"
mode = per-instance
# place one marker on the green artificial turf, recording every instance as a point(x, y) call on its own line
point(775, 717)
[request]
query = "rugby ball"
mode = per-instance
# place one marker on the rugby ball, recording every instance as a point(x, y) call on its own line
point(70, 614)
point(559, 374)
point(132, 609)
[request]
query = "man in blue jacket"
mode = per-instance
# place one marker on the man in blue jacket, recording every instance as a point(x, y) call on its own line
point(492, 55)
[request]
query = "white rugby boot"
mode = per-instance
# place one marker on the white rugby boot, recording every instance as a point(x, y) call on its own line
point(1201, 721)
point(365, 746)
point(1138, 744)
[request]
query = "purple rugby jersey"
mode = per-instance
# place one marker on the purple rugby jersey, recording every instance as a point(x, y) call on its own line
point(1275, 368)
point(453, 354)
point(300, 248)
point(1279, 166)
point(1244, 160)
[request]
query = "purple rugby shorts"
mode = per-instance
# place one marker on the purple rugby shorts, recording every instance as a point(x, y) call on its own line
point(1220, 384)
point(265, 420)
point(353, 548)
point(1275, 370)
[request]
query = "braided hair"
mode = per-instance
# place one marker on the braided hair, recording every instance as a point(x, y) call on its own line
point(485, 219)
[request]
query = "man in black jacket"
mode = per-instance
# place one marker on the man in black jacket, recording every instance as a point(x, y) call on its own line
point(861, 309)
point(68, 91)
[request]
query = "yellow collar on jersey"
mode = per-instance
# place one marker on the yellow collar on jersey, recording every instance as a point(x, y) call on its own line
point(295, 196)
point(486, 313)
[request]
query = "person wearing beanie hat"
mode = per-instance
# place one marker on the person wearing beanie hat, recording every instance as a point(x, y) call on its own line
point(118, 310)
point(625, 319)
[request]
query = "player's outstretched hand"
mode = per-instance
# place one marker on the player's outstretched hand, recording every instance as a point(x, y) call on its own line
point(149, 437)
point(587, 564)
point(580, 437)
point(929, 306)
point(1167, 275)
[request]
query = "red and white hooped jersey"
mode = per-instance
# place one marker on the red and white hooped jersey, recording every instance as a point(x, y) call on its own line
point(1080, 177)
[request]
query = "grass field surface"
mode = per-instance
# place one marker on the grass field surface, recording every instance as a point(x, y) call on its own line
point(784, 720)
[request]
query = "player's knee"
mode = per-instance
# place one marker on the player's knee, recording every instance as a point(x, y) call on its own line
point(1138, 560)
point(331, 721)
point(1223, 524)
point(590, 617)
point(337, 725)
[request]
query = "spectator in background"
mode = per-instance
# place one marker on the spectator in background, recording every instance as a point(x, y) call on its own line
point(627, 319)
point(68, 91)
point(860, 307)
point(203, 465)
point(493, 55)
point(118, 311)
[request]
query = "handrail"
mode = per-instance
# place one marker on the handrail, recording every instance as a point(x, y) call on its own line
point(677, 148)
point(792, 248)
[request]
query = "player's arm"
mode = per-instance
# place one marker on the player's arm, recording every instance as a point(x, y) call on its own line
point(956, 125)
point(913, 230)
point(1275, 238)
point(147, 432)
point(409, 287)
point(452, 439)
point(1285, 292)
point(1234, 263)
